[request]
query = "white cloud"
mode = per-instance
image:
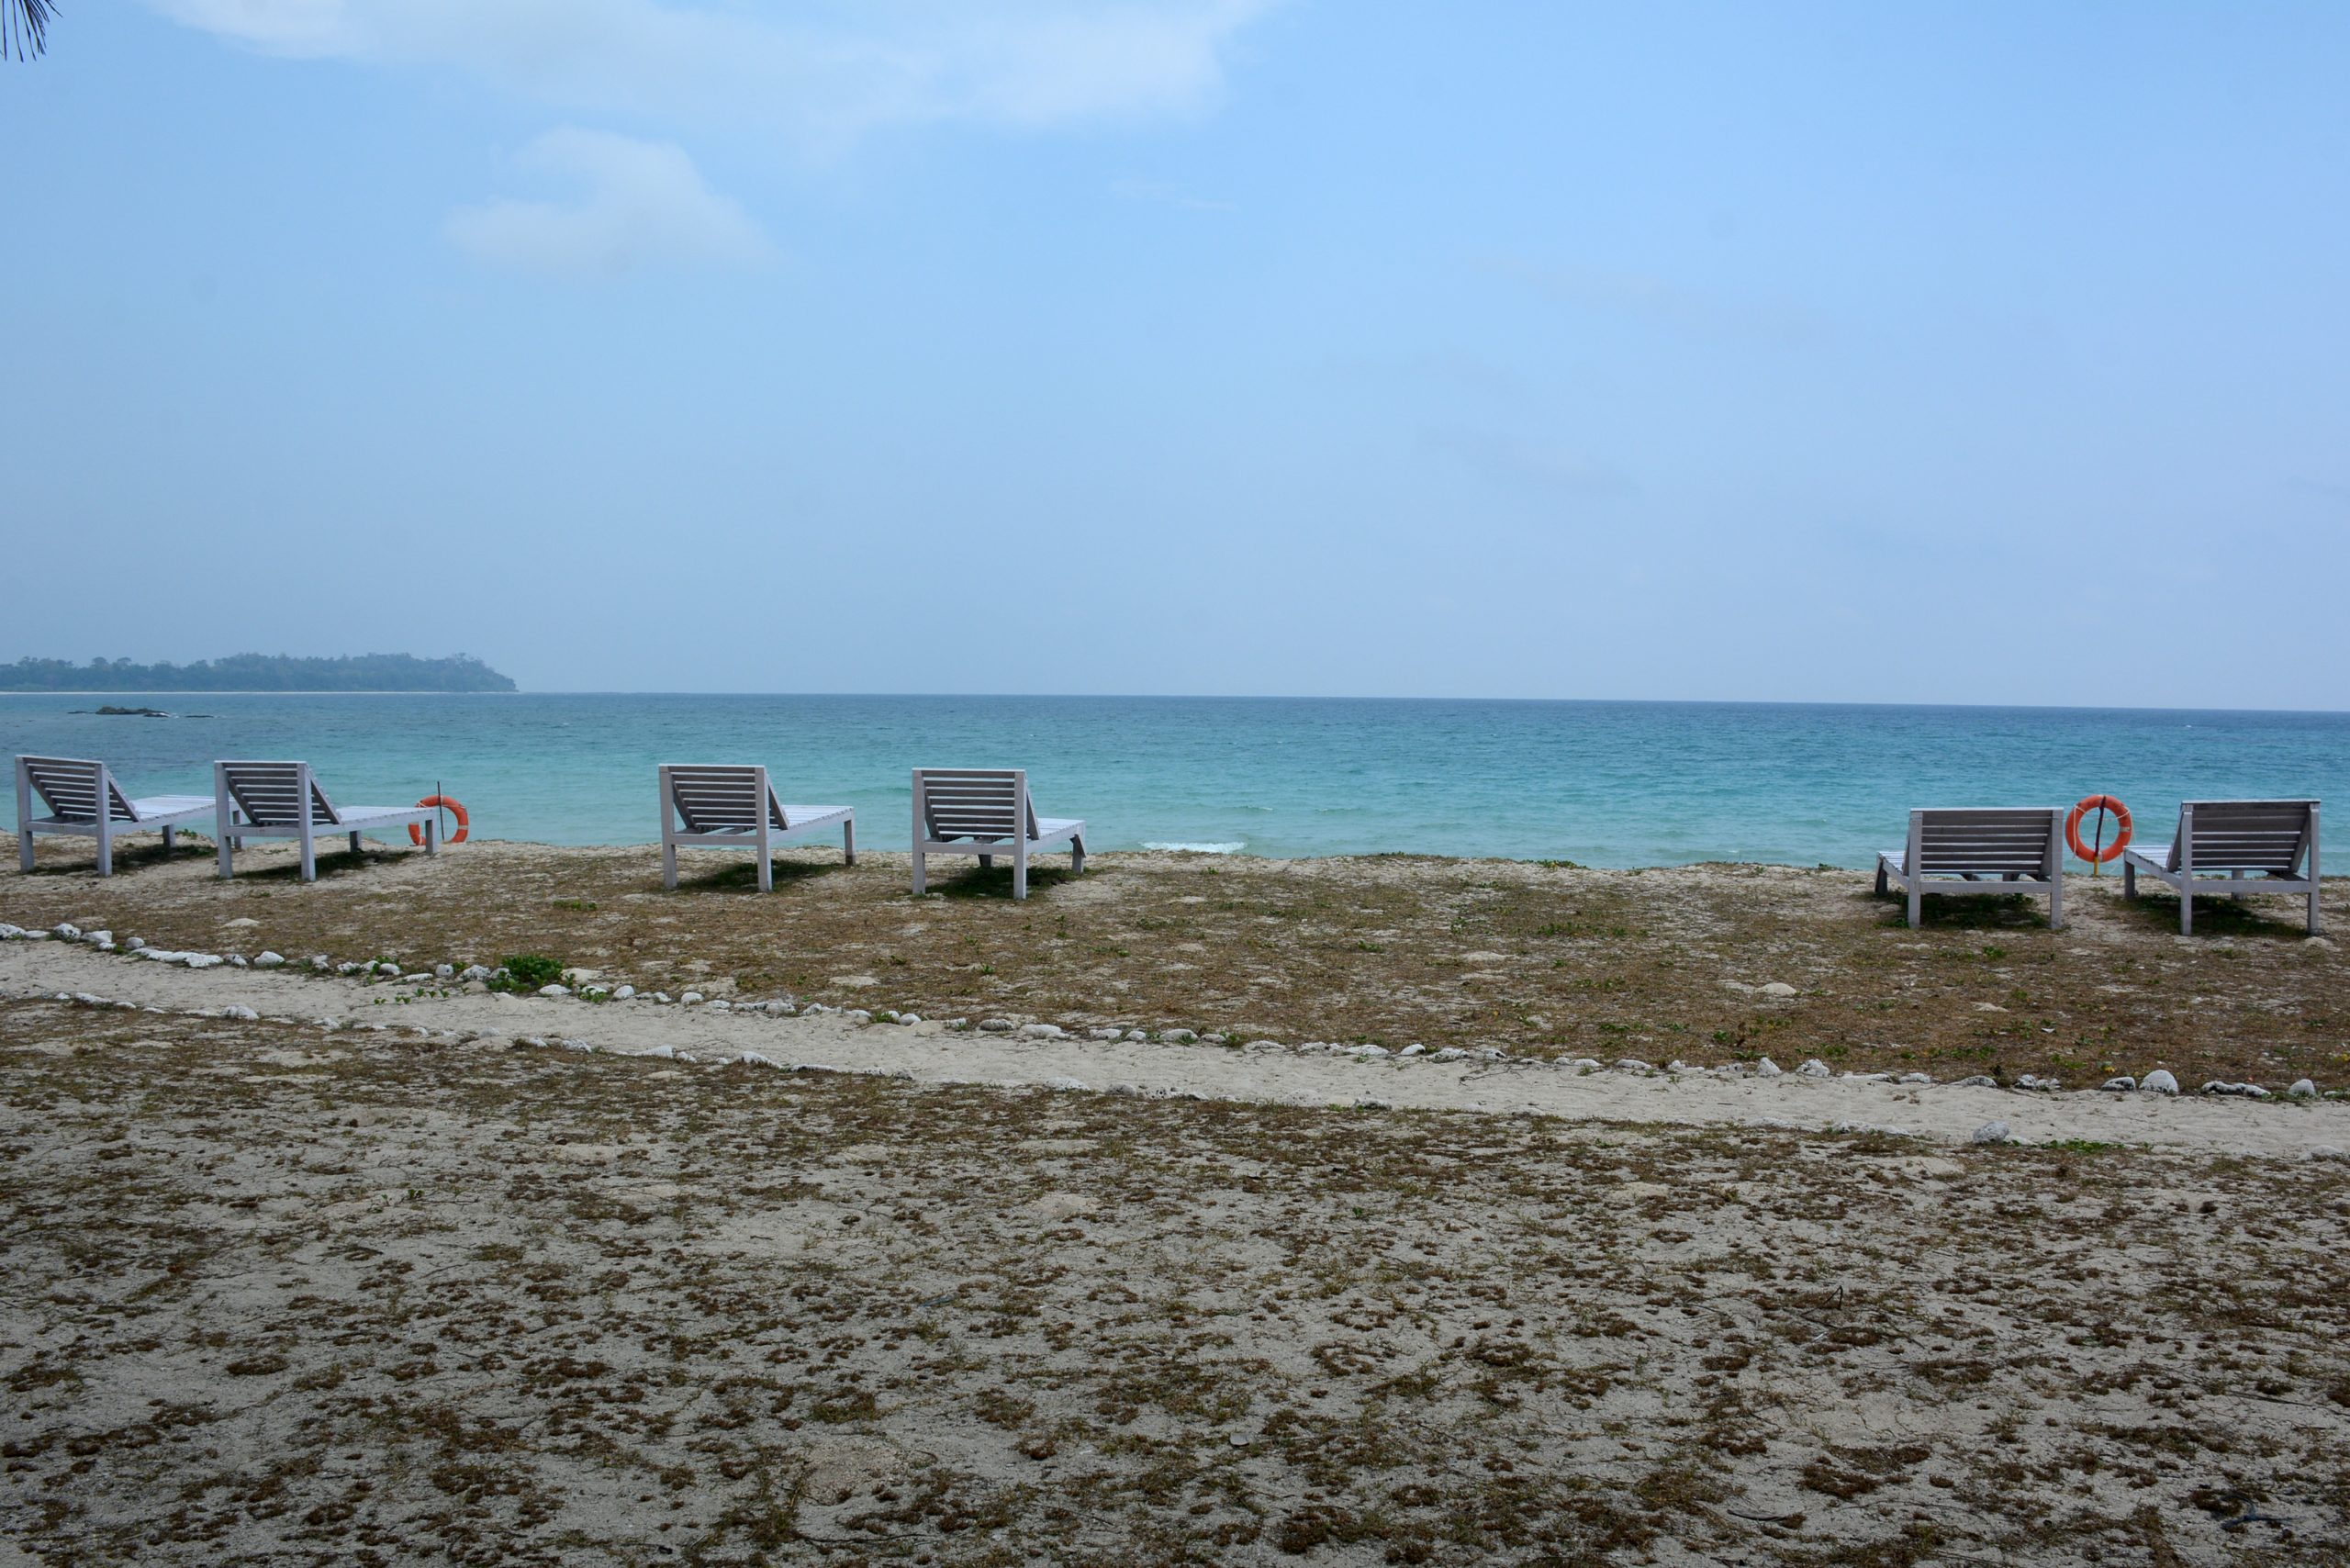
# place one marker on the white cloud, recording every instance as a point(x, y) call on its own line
point(824, 71)
point(643, 204)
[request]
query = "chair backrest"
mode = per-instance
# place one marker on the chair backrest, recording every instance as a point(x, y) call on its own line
point(2243, 836)
point(719, 797)
point(975, 803)
point(270, 793)
point(1989, 841)
point(71, 787)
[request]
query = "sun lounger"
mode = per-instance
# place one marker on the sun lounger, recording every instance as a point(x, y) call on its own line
point(718, 808)
point(2234, 847)
point(1994, 850)
point(986, 811)
point(71, 788)
point(284, 799)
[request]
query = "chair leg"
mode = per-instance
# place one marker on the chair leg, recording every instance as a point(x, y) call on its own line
point(987, 862)
point(767, 870)
point(1880, 879)
point(1917, 904)
point(2057, 901)
point(668, 865)
point(24, 851)
point(310, 861)
point(171, 840)
point(1076, 857)
point(432, 835)
point(849, 842)
point(2129, 881)
point(922, 879)
point(2187, 909)
point(2317, 923)
point(355, 844)
point(105, 850)
point(1019, 877)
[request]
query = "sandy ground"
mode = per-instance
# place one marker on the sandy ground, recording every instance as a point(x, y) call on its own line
point(929, 1052)
point(273, 1293)
point(384, 1274)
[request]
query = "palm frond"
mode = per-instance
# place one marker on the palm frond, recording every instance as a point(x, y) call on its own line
point(24, 26)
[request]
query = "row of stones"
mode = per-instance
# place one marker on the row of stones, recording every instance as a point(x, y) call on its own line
point(2160, 1081)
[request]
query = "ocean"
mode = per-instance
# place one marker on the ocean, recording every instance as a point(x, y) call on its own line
point(1599, 783)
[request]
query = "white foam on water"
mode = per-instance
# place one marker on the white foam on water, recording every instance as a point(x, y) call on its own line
point(1233, 848)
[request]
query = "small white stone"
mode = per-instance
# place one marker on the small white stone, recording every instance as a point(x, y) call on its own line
point(1272, 1046)
point(1104, 1034)
point(98, 938)
point(1172, 1037)
point(992, 1026)
point(620, 994)
point(1977, 1080)
point(1814, 1067)
point(445, 971)
point(1766, 1068)
point(857, 1015)
point(1917, 1077)
point(1633, 1064)
point(1071, 1085)
point(1042, 1031)
point(1414, 1049)
point(555, 991)
point(1992, 1132)
point(690, 998)
point(133, 943)
point(2303, 1089)
point(1778, 988)
point(2121, 1085)
point(65, 930)
point(247, 1013)
point(268, 960)
point(205, 960)
point(1448, 1053)
point(2327, 1151)
point(908, 1020)
point(1137, 1036)
point(721, 1004)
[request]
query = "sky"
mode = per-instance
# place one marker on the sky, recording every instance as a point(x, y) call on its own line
point(1933, 353)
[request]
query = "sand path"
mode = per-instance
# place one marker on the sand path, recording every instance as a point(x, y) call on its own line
point(929, 1052)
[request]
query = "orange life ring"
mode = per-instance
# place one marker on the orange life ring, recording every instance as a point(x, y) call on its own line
point(447, 803)
point(2103, 853)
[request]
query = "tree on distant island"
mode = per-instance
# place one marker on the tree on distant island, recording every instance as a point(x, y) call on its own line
point(259, 672)
point(24, 26)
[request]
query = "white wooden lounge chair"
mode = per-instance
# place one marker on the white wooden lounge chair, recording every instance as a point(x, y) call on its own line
point(2235, 847)
point(284, 799)
point(1994, 849)
point(71, 788)
point(986, 811)
point(718, 808)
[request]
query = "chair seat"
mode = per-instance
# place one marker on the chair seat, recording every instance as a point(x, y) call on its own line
point(169, 806)
point(804, 817)
point(357, 817)
point(1896, 861)
point(1048, 828)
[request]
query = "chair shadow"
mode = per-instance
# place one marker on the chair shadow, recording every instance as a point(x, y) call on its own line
point(742, 876)
point(2012, 911)
point(2216, 914)
point(139, 854)
point(995, 882)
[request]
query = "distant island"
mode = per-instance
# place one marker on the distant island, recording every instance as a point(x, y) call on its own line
point(259, 672)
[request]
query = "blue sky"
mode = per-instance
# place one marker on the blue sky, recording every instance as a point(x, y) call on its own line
point(1965, 353)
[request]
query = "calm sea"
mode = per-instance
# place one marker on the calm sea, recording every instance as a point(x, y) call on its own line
point(1602, 783)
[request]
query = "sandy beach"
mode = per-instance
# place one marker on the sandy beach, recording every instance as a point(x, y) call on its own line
point(305, 1266)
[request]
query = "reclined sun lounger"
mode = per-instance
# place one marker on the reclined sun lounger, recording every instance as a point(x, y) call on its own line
point(718, 808)
point(71, 788)
point(986, 812)
point(283, 799)
point(1996, 850)
point(2234, 847)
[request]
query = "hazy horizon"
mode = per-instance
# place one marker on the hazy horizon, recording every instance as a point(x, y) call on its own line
point(1981, 355)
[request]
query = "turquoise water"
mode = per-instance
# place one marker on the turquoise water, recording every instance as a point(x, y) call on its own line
point(1602, 783)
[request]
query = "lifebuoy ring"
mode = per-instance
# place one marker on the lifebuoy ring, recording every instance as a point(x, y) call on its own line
point(449, 803)
point(2099, 853)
